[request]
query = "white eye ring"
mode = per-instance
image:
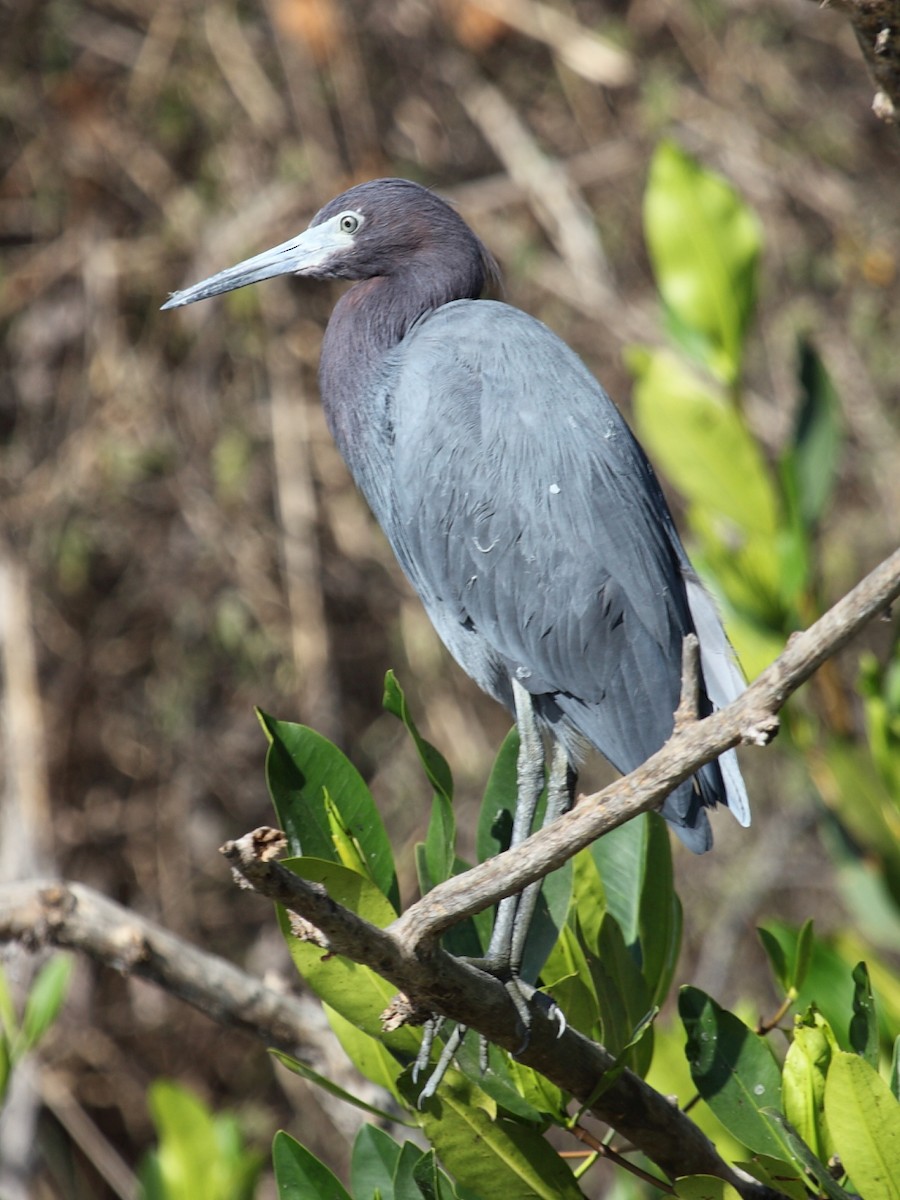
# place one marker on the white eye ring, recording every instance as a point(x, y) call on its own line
point(349, 222)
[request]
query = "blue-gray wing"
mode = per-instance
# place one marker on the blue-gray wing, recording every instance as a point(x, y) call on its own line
point(530, 523)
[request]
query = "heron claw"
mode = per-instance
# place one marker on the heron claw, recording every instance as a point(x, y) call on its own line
point(551, 1011)
point(430, 1030)
point(450, 1047)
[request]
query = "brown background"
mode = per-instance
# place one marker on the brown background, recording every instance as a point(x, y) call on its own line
point(179, 539)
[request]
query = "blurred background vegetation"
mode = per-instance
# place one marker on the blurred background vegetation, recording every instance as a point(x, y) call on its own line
point(179, 540)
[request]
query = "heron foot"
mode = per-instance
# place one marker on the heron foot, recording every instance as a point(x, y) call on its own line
point(523, 998)
point(551, 1011)
point(523, 995)
point(453, 1043)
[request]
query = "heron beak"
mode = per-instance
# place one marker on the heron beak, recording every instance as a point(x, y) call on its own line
point(302, 255)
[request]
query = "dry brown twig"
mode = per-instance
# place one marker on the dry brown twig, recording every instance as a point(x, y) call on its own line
point(407, 954)
point(581, 49)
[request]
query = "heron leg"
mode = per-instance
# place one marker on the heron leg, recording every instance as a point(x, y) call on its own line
point(514, 913)
point(430, 1030)
point(452, 1044)
point(560, 794)
point(530, 784)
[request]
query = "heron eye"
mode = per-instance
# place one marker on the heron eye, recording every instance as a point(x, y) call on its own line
point(349, 223)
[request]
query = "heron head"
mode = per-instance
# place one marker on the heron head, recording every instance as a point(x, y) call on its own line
point(379, 228)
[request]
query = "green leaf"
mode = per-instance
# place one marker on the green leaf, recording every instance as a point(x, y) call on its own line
point(704, 243)
point(885, 980)
point(322, 1081)
point(789, 970)
point(864, 1119)
point(491, 1155)
point(781, 1176)
point(826, 983)
point(404, 1182)
point(570, 982)
point(373, 1163)
point(369, 1053)
point(431, 1180)
point(200, 1156)
point(660, 917)
point(45, 998)
point(634, 863)
point(301, 767)
point(499, 801)
point(805, 1158)
point(705, 1187)
point(436, 768)
point(544, 1098)
point(733, 1070)
point(440, 842)
point(588, 898)
point(776, 956)
point(623, 997)
point(549, 918)
point(803, 1081)
point(621, 859)
point(802, 955)
point(864, 1023)
point(811, 460)
point(670, 1074)
point(8, 1021)
point(348, 850)
point(299, 1175)
point(505, 1081)
point(702, 444)
point(356, 992)
point(895, 1069)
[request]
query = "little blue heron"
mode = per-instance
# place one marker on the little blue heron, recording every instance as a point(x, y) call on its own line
point(517, 501)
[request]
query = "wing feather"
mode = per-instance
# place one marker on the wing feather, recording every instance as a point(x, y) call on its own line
point(530, 522)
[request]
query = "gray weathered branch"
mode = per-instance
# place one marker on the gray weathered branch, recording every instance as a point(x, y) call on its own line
point(71, 916)
point(433, 981)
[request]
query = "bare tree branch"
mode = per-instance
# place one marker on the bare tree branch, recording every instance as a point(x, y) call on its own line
point(74, 917)
point(436, 982)
point(876, 24)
